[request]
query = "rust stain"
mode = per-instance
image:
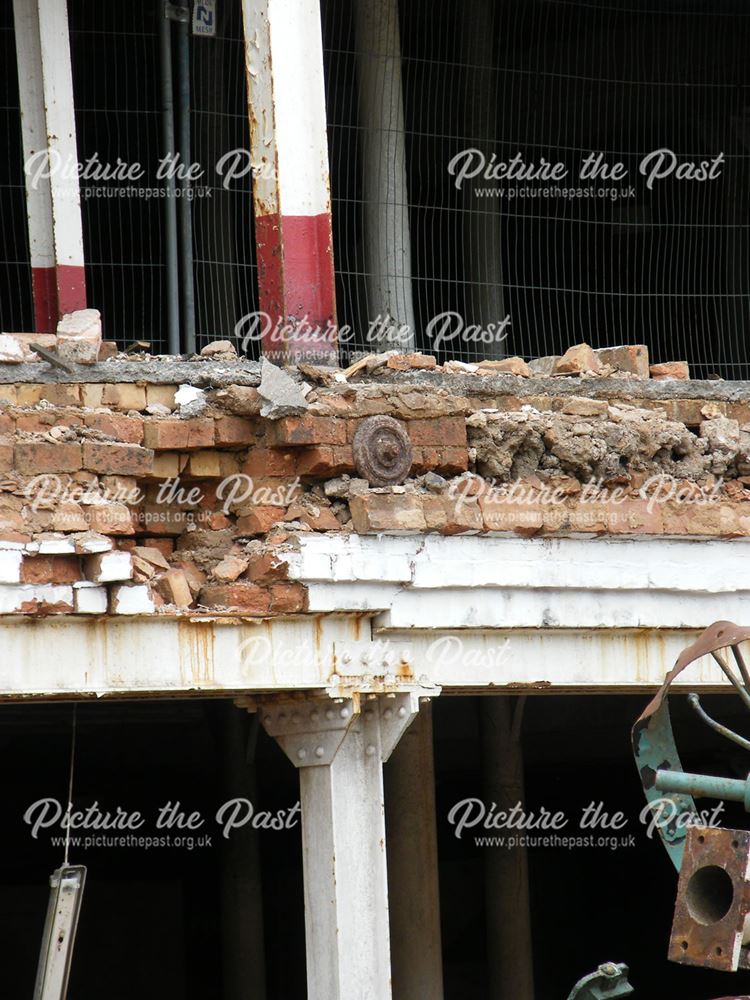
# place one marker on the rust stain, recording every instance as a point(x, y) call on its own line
point(195, 642)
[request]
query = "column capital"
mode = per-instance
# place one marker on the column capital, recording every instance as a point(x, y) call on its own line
point(311, 731)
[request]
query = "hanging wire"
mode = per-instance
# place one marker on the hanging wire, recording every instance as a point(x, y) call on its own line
point(70, 782)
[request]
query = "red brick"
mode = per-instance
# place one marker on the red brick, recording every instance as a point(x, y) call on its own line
point(32, 457)
point(671, 370)
point(308, 430)
point(323, 520)
point(124, 396)
point(247, 598)
point(522, 518)
point(270, 462)
point(447, 432)
point(452, 515)
point(631, 358)
point(446, 461)
point(128, 430)
point(267, 568)
point(259, 520)
point(407, 362)
point(394, 512)
point(215, 521)
point(235, 431)
point(324, 462)
point(110, 519)
point(173, 587)
point(51, 569)
point(7, 425)
point(41, 422)
point(118, 459)
point(288, 598)
point(6, 457)
point(163, 519)
point(635, 517)
point(164, 545)
point(178, 435)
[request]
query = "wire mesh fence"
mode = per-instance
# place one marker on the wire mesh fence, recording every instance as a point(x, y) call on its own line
point(624, 244)
point(226, 280)
point(16, 305)
point(461, 137)
point(116, 68)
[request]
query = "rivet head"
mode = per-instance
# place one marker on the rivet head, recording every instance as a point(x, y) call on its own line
point(370, 750)
point(302, 753)
point(319, 751)
point(329, 714)
point(388, 713)
point(344, 713)
point(268, 719)
point(401, 712)
point(346, 658)
point(315, 715)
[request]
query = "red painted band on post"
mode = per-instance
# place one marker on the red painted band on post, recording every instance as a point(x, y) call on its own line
point(44, 289)
point(296, 286)
point(71, 288)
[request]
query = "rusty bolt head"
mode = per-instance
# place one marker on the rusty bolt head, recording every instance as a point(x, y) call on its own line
point(382, 451)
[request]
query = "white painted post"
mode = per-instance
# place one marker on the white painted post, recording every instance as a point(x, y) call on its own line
point(340, 753)
point(386, 224)
point(411, 827)
point(49, 143)
point(291, 187)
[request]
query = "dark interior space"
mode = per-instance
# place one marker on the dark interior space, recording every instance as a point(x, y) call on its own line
point(151, 922)
point(560, 79)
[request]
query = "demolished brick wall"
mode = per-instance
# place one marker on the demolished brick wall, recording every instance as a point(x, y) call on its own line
point(141, 498)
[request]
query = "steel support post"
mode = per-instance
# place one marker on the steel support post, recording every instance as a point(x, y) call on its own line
point(340, 753)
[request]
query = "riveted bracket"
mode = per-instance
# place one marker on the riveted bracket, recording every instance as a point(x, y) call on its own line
point(311, 731)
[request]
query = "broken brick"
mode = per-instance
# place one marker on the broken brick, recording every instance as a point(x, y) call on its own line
point(173, 587)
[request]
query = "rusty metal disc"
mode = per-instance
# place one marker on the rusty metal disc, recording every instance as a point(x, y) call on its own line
point(382, 451)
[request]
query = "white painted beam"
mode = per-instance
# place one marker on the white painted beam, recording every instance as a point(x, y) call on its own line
point(155, 656)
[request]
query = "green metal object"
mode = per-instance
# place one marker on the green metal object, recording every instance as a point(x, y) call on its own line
point(655, 749)
point(608, 982)
point(704, 786)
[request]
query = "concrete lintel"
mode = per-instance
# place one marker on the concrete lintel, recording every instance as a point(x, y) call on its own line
point(156, 371)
